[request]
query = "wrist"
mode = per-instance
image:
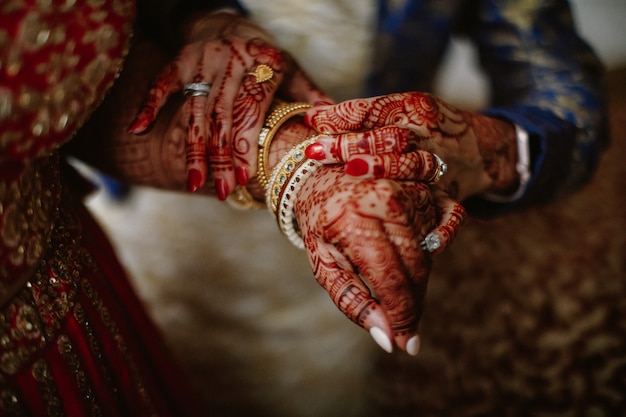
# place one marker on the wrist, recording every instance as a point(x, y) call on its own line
point(485, 162)
point(288, 134)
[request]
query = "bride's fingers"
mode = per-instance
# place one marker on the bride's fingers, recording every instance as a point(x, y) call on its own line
point(165, 84)
point(196, 140)
point(417, 165)
point(251, 105)
point(365, 244)
point(347, 116)
point(341, 147)
point(451, 216)
point(348, 292)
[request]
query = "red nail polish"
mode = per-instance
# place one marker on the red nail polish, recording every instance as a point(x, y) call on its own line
point(315, 151)
point(241, 173)
point(194, 179)
point(357, 167)
point(221, 188)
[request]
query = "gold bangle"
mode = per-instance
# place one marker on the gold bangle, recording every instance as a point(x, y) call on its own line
point(279, 115)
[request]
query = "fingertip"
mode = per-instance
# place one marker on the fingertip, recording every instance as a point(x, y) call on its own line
point(414, 345)
point(357, 167)
point(242, 175)
point(315, 151)
point(135, 127)
point(381, 339)
point(194, 179)
point(221, 189)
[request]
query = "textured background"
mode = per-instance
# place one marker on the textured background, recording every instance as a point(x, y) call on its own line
point(522, 311)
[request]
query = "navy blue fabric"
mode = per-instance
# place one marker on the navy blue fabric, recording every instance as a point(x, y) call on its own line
point(543, 76)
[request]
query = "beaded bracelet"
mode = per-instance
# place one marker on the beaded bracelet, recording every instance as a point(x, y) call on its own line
point(279, 115)
point(283, 172)
point(285, 214)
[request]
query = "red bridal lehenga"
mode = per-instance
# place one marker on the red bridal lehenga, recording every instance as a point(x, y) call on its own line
point(74, 338)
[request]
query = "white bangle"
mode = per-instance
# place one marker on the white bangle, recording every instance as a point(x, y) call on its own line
point(285, 215)
point(283, 170)
point(522, 167)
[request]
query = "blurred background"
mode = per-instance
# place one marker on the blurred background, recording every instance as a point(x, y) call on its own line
point(523, 313)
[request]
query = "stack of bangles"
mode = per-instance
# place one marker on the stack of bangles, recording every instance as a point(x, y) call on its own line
point(282, 184)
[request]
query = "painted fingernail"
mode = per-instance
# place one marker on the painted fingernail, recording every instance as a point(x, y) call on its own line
point(381, 339)
point(413, 345)
point(241, 173)
point(221, 188)
point(315, 151)
point(135, 127)
point(194, 179)
point(357, 167)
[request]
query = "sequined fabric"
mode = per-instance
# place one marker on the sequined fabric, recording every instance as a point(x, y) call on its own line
point(74, 339)
point(57, 59)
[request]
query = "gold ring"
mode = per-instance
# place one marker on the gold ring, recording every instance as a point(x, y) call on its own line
point(262, 73)
point(440, 170)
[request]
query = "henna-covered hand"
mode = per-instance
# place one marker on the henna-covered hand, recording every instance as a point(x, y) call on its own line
point(362, 237)
point(386, 136)
point(224, 49)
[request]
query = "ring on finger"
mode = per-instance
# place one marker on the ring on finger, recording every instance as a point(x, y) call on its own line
point(262, 73)
point(440, 170)
point(197, 89)
point(431, 242)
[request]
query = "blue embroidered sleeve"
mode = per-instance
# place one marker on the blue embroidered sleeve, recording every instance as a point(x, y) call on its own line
point(548, 81)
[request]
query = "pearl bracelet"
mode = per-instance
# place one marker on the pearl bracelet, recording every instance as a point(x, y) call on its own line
point(285, 214)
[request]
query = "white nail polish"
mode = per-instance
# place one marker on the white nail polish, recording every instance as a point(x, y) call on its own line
point(413, 345)
point(381, 338)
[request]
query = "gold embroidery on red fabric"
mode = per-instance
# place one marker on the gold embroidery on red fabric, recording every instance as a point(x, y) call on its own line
point(95, 349)
point(34, 316)
point(82, 382)
point(27, 211)
point(72, 53)
point(47, 388)
point(111, 326)
point(12, 403)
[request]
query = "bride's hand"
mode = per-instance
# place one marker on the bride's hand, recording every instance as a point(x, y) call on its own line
point(363, 241)
point(398, 135)
point(237, 63)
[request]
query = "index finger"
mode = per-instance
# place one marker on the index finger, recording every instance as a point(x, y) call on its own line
point(165, 84)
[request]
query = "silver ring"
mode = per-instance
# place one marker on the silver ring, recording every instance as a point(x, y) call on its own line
point(431, 242)
point(197, 89)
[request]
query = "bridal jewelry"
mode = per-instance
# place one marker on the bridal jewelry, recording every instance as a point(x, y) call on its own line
point(262, 73)
point(440, 170)
point(197, 89)
point(279, 115)
point(431, 242)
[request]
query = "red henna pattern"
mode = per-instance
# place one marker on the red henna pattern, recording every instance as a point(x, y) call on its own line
point(166, 82)
point(371, 224)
